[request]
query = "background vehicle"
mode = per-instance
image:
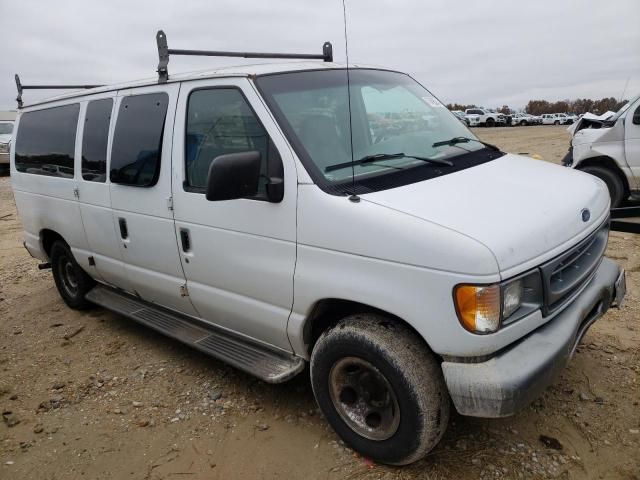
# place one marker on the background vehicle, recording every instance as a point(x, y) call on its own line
point(520, 119)
point(534, 119)
point(6, 131)
point(551, 119)
point(202, 230)
point(565, 119)
point(486, 118)
point(461, 116)
point(610, 150)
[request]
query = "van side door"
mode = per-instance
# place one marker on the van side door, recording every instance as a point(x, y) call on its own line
point(96, 133)
point(238, 255)
point(140, 175)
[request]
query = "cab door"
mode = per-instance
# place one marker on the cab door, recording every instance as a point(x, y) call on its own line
point(140, 175)
point(632, 140)
point(238, 255)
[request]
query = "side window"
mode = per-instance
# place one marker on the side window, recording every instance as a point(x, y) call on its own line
point(46, 141)
point(220, 121)
point(94, 140)
point(137, 140)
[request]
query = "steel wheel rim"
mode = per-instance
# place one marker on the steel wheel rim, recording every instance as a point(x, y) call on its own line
point(364, 399)
point(68, 275)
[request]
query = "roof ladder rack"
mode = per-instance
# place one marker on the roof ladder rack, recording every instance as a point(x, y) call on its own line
point(164, 51)
point(46, 87)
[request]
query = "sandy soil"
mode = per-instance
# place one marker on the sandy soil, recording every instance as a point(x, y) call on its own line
point(96, 396)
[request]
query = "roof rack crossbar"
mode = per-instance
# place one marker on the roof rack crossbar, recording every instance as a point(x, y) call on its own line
point(164, 51)
point(22, 87)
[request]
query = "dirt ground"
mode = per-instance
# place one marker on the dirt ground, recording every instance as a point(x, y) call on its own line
point(96, 396)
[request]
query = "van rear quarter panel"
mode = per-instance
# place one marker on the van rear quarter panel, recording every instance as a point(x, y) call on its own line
point(45, 202)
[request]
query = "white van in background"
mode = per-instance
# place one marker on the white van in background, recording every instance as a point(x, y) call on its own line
point(243, 212)
point(609, 148)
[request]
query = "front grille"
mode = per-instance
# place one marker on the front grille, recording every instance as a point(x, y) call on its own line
point(563, 276)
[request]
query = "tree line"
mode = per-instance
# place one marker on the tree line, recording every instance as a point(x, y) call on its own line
point(539, 107)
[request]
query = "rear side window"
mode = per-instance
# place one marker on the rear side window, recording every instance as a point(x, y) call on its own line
point(46, 141)
point(219, 122)
point(94, 140)
point(137, 141)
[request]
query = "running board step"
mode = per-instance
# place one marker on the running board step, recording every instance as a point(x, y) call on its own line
point(268, 364)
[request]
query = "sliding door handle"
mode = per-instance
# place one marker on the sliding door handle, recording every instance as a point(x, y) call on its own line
point(124, 231)
point(185, 240)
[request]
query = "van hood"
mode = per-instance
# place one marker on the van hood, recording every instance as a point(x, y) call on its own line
point(525, 211)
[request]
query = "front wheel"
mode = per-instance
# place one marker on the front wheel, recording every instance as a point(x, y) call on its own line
point(73, 283)
point(490, 122)
point(380, 388)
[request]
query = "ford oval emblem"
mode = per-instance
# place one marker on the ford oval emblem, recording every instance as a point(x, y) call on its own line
point(586, 214)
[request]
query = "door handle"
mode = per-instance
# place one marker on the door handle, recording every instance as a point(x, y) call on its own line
point(185, 240)
point(124, 231)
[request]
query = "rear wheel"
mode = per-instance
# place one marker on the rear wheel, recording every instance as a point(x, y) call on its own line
point(73, 283)
point(380, 388)
point(523, 123)
point(613, 181)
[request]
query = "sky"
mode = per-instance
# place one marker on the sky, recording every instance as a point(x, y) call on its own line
point(489, 53)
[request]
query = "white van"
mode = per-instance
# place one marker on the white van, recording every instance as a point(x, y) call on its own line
point(225, 209)
point(609, 149)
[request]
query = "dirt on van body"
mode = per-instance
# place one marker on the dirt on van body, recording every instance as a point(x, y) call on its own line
point(93, 395)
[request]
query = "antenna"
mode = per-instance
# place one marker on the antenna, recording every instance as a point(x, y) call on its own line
point(353, 197)
point(164, 51)
point(624, 90)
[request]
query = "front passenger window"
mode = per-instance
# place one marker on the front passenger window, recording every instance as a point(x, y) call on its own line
point(219, 122)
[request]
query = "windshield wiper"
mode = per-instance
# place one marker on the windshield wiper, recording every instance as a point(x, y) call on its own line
point(455, 140)
point(386, 156)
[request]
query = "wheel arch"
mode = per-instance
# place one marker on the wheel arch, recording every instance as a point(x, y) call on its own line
point(47, 238)
point(608, 163)
point(326, 312)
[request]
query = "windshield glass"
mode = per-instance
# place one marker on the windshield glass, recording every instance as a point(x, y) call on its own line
point(6, 128)
point(391, 114)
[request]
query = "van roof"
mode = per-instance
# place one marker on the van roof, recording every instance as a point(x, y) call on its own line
point(222, 72)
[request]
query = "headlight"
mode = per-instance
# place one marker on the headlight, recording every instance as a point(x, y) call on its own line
point(485, 308)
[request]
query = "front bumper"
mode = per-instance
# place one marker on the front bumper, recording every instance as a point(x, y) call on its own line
point(516, 376)
point(4, 159)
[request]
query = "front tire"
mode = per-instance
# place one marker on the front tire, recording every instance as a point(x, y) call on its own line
point(490, 122)
point(72, 281)
point(613, 181)
point(380, 388)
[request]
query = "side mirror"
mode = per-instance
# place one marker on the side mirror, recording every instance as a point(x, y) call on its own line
point(275, 189)
point(233, 176)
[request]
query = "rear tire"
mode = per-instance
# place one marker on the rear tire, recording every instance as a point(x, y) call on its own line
point(613, 181)
point(380, 388)
point(72, 281)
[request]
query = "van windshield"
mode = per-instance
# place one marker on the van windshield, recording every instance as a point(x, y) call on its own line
point(391, 114)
